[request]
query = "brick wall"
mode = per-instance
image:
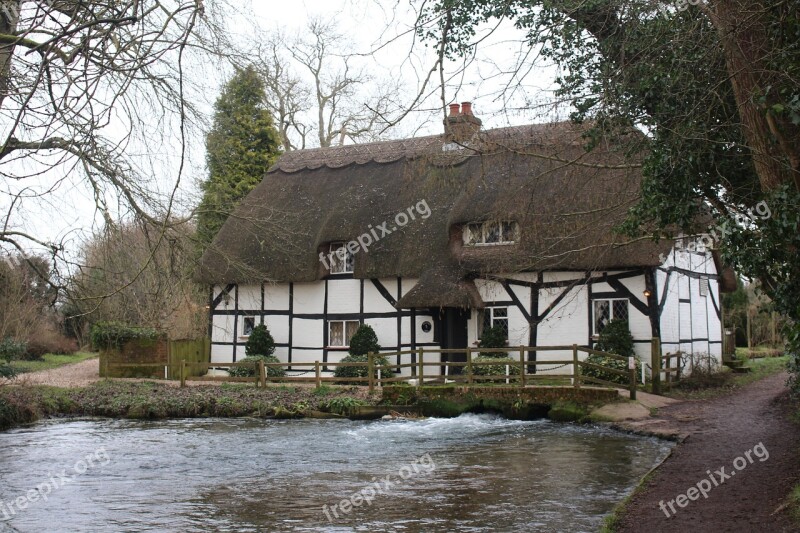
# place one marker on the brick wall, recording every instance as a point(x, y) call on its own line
point(135, 352)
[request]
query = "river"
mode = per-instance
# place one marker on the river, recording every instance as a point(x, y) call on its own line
point(471, 473)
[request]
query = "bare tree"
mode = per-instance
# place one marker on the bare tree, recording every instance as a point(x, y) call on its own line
point(318, 88)
point(137, 274)
point(83, 86)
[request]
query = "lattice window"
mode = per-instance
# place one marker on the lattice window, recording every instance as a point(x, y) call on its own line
point(341, 331)
point(496, 317)
point(607, 310)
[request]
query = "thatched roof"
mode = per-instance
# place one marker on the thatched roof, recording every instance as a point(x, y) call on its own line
point(566, 201)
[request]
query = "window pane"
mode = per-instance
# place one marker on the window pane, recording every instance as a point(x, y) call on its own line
point(602, 314)
point(475, 234)
point(508, 232)
point(491, 231)
point(336, 336)
point(502, 323)
point(248, 325)
point(500, 312)
point(352, 327)
point(487, 320)
point(621, 310)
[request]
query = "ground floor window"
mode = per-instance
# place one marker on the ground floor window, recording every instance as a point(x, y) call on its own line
point(248, 324)
point(495, 317)
point(341, 331)
point(607, 310)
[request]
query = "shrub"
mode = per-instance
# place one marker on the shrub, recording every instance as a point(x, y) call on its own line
point(110, 335)
point(705, 373)
point(6, 371)
point(364, 341)
point(496, 369)
point(260, 342)
point(49, 341)
point(11, 350)
point(615, 338)
point(248, 371)
point(494, 338)
point(359, 371)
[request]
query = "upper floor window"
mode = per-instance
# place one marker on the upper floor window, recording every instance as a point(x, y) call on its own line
point(491, 232)
point(341, 259)
point(607, 310)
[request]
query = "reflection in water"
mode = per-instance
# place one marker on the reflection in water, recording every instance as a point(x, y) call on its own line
point(482, 473)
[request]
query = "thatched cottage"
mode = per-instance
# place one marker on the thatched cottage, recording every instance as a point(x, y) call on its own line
point(431, 239)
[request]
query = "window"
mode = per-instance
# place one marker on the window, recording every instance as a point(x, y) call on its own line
point(248, 323)
point(607, 310)
point(703, 286)
point(496, 317)
point(491, 233)
point(341, 259)
point(341, 331)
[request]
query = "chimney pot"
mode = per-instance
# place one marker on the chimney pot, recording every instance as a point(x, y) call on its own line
point(454, 110)
point(466, 108)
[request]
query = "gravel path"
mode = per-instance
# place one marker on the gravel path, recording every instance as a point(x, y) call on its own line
point(754, 420)
point(76, 375)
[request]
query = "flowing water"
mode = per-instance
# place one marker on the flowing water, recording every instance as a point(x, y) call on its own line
point(472, 473)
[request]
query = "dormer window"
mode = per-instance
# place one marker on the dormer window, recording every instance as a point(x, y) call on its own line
point(341, 259)
point(491, 233)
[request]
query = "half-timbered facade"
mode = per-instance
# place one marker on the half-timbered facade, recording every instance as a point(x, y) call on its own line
point(430, 240)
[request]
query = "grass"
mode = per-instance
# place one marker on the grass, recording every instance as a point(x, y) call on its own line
point(51, 361)
point(794, 504)
point(612, 521)
point(154, 400)
point(757, 351)
point(761, 368)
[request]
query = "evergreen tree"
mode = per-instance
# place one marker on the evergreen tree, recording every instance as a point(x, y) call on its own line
point(240, 147)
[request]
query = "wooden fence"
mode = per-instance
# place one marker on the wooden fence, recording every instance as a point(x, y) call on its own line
point(519, 371)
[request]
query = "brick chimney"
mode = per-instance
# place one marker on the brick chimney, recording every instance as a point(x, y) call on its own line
point(461, 125)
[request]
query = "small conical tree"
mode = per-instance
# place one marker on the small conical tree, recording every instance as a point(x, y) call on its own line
point(260, 342)
point(242, 144)
point(364, 341)
point(493, 338)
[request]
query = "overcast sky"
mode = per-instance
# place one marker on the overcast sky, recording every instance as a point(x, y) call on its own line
point(381, 32)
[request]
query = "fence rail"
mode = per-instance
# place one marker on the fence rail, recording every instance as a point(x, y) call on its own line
point(519, 369)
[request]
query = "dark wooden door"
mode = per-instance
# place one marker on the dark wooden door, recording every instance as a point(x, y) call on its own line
point(454, 336)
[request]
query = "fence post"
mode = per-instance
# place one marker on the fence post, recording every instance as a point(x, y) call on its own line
point(183, 373)
point(317, 373)
point(470, 378)
point(655, 364)
point(371, 370)
point(421, 370)
point(632, 371)
point(522, 366)
point(576, 368)
point(262, 374)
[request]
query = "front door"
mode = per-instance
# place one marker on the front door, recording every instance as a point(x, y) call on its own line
point(454, 336)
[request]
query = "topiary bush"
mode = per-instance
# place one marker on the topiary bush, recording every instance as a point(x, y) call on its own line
point(360, 371)
point(496, 369)
point(364, 341)
point(493, 338)
point(249, 371)
point(615, 338)
point(260, 342)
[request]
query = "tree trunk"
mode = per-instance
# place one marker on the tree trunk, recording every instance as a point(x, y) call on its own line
point(775, 142)
point(9, 15)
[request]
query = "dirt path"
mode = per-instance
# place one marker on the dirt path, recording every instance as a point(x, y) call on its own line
point(754, 420)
